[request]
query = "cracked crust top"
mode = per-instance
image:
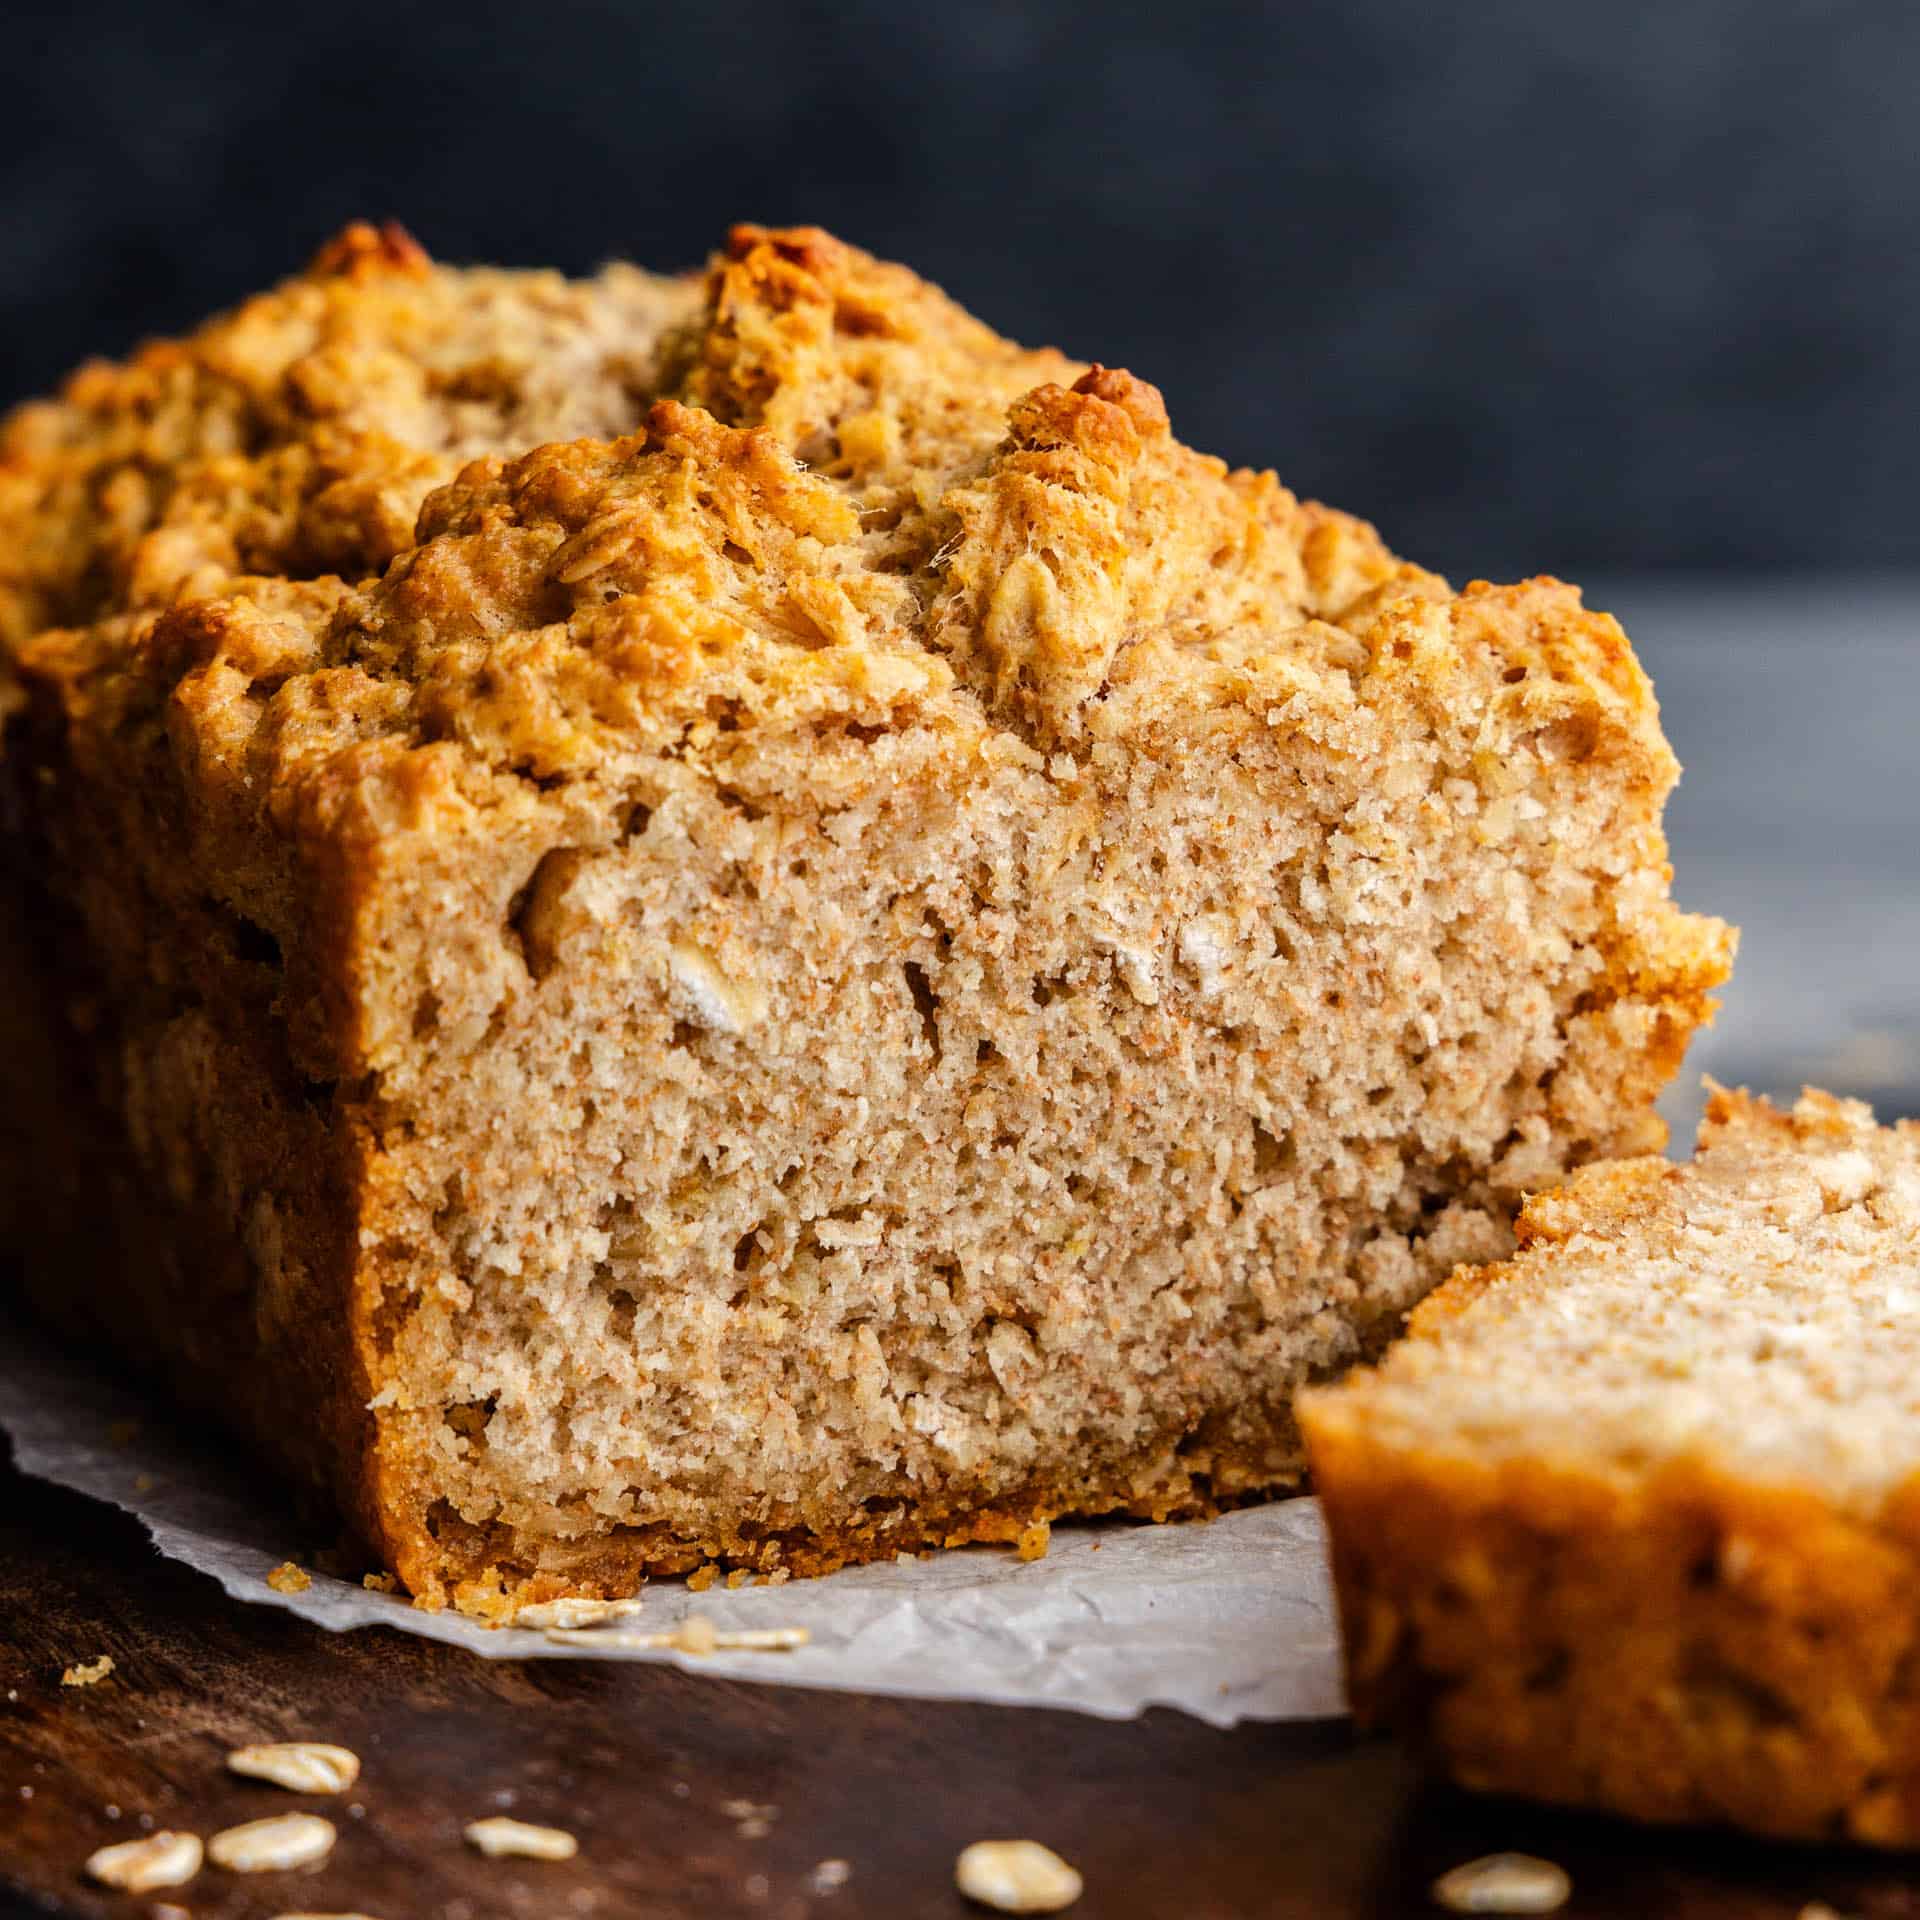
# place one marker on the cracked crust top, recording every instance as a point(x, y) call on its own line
point(297, 435)
point(819, 468)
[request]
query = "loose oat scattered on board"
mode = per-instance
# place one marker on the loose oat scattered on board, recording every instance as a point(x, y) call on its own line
point(88, 1673)
point(271, 1846)
point(163, 1859)
point(302, 1766)
point(574, 1614)
point(753, 1819)
point(500, 1838)
point(1504, 1883)
point(830, 1876)
point(1016, 1876)
point(287, 1578)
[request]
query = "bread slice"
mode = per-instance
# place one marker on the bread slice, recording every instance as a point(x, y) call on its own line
point(742, 922)
point(1632, 1520)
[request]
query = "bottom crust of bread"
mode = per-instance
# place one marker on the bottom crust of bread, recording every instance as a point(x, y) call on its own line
point(492, 1570)
point(1678, 1647)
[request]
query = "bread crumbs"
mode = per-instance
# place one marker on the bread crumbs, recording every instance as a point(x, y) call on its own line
point(287, 1578)
point(702, 1578)
point(380, 1583)
point(88, 1673)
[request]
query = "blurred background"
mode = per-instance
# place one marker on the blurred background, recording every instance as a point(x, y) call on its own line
point(1629, 293)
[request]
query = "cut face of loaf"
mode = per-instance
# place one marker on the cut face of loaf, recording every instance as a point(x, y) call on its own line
point(887, 956)
point(1630, 1520)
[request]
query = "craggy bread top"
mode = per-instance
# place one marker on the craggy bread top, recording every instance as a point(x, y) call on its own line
point(297, 435)
point(823, 469)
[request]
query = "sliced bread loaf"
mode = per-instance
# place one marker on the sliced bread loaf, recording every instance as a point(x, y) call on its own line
point(746, 924)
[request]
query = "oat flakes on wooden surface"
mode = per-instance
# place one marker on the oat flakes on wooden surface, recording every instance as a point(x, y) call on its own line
point(1016, 1876)
point(163, 1859)
point(501, 1838)
point(301, 1766)
point(1504, 1883)
point(272, 1845)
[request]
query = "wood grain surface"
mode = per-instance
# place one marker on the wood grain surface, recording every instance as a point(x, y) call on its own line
point(658, 1773)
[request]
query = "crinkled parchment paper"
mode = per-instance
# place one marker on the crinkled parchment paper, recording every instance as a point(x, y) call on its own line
point(1227, 1621)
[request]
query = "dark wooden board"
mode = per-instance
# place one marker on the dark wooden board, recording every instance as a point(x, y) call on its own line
point(1165, 1817)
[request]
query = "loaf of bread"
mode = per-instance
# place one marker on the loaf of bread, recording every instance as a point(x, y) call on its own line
point(731, 921)
point(1632, 1520)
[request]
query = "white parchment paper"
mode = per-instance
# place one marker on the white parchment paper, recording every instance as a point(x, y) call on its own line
point(1227, 1621)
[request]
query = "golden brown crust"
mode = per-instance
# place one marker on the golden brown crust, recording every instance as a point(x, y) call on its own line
point(173, 1191)
point(1662, 1633)
point(975, 502)
point(1191, 1474)
point(1683, 1648)
point(298, 433)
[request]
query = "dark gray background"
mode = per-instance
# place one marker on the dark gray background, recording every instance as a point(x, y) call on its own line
point(1537, 285)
